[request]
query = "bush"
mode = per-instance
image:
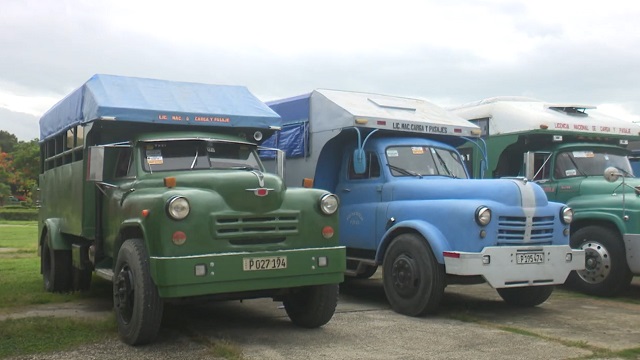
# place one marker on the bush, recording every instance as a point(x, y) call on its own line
point(18, 213)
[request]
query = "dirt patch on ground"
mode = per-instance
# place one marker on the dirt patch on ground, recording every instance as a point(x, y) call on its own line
point(89, 308)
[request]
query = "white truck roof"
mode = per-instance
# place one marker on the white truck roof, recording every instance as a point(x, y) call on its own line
point(336, 109)
point(515, 114)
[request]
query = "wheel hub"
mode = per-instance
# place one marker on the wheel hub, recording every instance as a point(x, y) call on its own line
point(123, 299)
point(597, 263)
point(404, 273)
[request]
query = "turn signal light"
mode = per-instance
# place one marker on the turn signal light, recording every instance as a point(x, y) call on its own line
point(327, 232)
point(179, 238)
point(170, 182)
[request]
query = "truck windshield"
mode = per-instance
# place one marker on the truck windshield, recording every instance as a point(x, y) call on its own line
point(198, 155)
point(424, 161)
point(589, 163)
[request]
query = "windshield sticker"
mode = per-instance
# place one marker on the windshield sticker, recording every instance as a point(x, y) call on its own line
point(417, 150)
point(583, 154)
point(154, 157)
point(211, 149)
point(392, 153)
point(570, 172)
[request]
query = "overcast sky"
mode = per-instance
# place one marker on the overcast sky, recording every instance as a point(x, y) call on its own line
point(448, 52)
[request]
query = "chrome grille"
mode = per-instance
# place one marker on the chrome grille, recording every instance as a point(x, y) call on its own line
point(245, 227)
point(513, 230)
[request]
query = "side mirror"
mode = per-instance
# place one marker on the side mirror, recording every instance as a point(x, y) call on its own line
point(359, 161)
point(611, 174)
point(280, 159)
point(528, 162)
point(95, 166)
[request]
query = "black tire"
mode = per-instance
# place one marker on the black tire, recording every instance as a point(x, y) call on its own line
point(607, 272)
point(56, 268)
point(528, 296)
point(413, 280)
point(136, 301)
point(312, 306)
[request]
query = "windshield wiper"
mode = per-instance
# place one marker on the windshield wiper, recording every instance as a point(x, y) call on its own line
point(243, 167)
point(626, 173)
point(576, 165)
point(195, 158)
point(446, 168)
point(404, 171)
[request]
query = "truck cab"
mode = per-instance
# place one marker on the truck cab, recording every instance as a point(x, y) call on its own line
point(408, 206)
point(571, 150)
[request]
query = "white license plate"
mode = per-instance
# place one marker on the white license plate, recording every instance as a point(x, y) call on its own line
point(530, 257)
point(264, 263)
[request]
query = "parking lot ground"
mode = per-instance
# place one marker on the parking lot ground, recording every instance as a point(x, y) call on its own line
point(473, 323)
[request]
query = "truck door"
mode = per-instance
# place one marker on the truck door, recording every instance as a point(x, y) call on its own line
point(118, 184)
point(538, 168)
point(360, 195)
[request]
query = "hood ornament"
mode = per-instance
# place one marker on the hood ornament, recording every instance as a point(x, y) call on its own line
point(261, 191)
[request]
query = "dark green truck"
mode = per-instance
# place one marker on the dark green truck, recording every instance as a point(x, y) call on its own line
point(158, 186)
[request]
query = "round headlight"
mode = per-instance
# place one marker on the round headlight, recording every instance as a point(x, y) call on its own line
point(483, 215)
point(178, 208)
point(566, 215)
point(329, 203)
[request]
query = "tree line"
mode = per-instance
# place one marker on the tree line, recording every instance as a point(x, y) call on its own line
point(19, 167)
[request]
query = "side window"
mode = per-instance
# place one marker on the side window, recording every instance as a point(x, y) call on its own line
point(542, 166)
point(371, 171)
point(123, 165)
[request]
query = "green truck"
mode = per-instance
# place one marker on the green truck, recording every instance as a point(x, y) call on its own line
point(579, 157)
point(158, 187)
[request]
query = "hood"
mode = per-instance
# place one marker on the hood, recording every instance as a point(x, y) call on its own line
point(511, 192)
point(241, 190)
point(598, 185)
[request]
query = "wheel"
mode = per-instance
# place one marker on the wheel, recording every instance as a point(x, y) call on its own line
point(56, 267)
point(527, 296)
point(413, 280)
point(136, 301)
point(312, 306)
point(607, 272)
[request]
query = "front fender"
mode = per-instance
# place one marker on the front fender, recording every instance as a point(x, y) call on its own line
point(590, 216)
point(436, 240)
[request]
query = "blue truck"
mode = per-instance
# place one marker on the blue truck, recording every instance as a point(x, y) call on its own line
point(407, 205)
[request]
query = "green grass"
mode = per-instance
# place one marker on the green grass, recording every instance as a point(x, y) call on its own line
point(21, 286)
point(21, 281)
point(45, 334)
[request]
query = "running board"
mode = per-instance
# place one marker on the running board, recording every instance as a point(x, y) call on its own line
point(106, 274)
point(361, 263)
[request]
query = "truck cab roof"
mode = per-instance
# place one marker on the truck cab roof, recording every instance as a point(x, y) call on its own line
point(116, 99)
point(338, 109)
point(508, 115)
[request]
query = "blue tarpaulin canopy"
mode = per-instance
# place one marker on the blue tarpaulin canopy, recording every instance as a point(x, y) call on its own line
point(119, 98)
point(293, 139)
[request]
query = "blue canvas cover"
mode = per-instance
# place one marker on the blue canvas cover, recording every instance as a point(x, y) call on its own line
point(131, 99)
point(294, 136)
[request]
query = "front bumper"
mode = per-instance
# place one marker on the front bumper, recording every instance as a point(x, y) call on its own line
point(176, 276)
point(499, 266)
